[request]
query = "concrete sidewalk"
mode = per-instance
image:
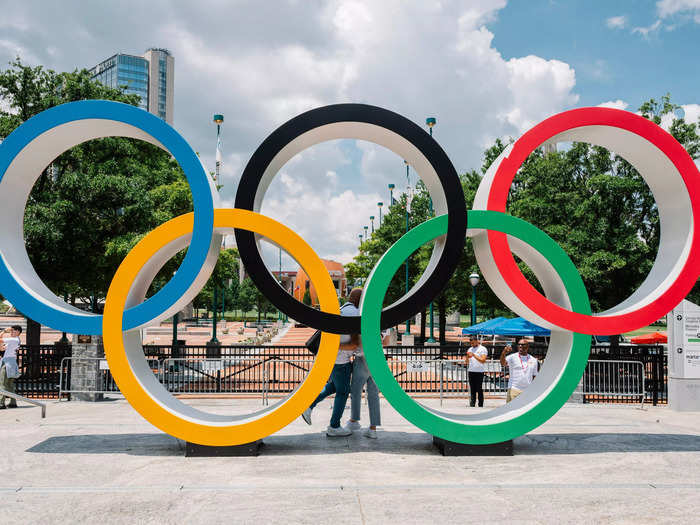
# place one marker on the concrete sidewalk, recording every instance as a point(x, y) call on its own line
point(103, 463)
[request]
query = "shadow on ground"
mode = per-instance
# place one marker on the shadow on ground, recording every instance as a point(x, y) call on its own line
point(539, 444)
point(402, 443)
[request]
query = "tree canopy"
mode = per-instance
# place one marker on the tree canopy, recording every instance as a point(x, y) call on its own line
point(98, 199)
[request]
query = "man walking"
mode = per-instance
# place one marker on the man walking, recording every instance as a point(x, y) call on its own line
point(9, 370)
point(522, 367)
point(476, 356)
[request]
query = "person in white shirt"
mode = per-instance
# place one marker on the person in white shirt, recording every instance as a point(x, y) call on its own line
point(339, 382)
point(9, 370)
point(476, 357)
point(522, 369)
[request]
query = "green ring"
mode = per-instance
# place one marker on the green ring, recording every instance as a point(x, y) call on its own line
point(424, 418)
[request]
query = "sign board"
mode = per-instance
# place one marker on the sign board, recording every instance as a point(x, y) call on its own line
point(104, 365)
point(211, 366)
point(417, 366)
point(684, 341)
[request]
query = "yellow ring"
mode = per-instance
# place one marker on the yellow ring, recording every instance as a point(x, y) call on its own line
point(161, 409)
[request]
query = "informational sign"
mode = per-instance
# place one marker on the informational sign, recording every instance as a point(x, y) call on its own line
point(684, 341)
point(104, 365)
point(417, 366)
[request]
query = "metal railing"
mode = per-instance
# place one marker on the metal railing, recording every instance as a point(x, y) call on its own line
point(283, 376)
point(223, 375)
point(614, 379)
point(429, 371)
point(102, 380)
point(17, 397)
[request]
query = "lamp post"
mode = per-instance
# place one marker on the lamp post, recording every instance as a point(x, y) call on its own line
point(176, 317)
point(366, 228)
point(474, 280)
point(64, 338)
point(218, 120)
point(391, 194)
point(430, 122)
point(408, 210)
point(360, 236)
point(371, 218)
point(379, 205)
point(279, 312)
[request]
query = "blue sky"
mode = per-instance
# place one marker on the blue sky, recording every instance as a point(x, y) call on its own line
point(610, 62)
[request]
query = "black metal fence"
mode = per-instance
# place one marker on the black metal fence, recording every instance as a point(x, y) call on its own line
point(279, 369)
point(40, 370)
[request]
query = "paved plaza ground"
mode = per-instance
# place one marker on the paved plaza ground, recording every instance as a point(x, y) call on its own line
point(102, 463)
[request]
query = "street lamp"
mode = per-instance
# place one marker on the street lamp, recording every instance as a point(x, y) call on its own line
point(391, 194)
point(371, 218)
point(409, 196)
point(218, 120)
point(474, 280)
point(360, 236)
point(175, 320)
point(379, 205)
point(366, 228)
point(430, 122)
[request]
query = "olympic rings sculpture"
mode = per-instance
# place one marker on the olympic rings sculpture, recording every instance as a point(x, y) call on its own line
point(663, 163)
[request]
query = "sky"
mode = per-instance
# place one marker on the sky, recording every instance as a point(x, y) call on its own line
point(483, 68)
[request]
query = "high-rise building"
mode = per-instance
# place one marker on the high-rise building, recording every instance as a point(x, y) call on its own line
point(151, 76)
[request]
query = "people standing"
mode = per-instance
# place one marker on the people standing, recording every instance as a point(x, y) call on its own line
point(9, 369)
point(522, 369)
point(339, 382)
point(476, 356)
point(360, 378)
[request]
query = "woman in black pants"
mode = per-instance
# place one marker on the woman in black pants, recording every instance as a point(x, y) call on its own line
point(476, 356)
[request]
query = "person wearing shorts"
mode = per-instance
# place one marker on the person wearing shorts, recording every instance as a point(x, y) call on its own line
point(522, 369)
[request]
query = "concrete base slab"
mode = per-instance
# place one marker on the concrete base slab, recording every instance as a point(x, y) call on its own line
point(103, 463)
point(193, 450)
point(450, 448)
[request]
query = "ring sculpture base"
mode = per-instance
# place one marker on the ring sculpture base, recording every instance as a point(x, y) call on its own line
point(450, 448)
point(193, 450)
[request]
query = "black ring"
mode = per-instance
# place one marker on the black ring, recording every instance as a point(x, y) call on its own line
point(451, 186)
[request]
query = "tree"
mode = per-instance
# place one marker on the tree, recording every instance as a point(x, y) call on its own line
point(116, 189)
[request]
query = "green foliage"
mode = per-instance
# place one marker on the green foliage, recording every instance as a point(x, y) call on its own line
point(96, 200)
point(249, 296)
point(307, 298)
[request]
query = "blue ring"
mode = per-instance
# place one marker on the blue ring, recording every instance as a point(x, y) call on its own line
point(201, 196)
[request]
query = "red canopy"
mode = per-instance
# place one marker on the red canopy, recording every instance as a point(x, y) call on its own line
point(650, 339)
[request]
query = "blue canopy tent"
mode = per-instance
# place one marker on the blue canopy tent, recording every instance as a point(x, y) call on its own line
point(521, 327)
point(504, 326)
point(484, 327)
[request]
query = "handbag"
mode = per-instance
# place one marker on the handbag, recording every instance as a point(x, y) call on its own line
point(313, 342)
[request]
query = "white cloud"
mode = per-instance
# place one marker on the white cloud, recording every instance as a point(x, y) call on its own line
point(667, 8)
point(616, 104)
point(616, 22)
point(649, 30)
point(260, 65)
point(692, 113)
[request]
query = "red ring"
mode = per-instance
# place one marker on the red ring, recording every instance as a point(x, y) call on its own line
point(503, 258)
